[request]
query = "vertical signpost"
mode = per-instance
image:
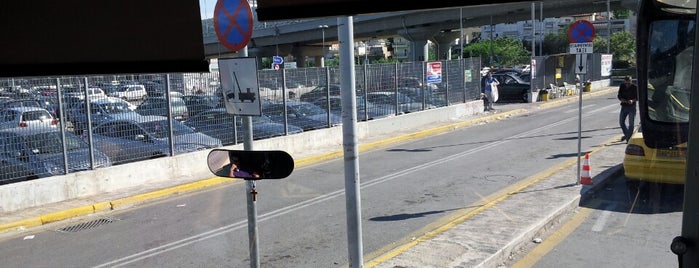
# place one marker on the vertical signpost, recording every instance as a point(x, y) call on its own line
point(233, 22)
point(580, 35)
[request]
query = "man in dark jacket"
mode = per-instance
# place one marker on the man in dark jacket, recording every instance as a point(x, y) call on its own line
point(628, 96)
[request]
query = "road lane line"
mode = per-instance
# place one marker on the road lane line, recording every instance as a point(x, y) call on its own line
point(282, 211)
point(553, 240)
point(602, 220)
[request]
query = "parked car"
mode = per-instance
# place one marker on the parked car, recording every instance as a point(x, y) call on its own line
point(365, 109)
point(658, 165)
point(107, 87)
point(158, 106)
point(154, 88)
point(79, 92)
point(319, 92)
point(26, 117)
point(218, 123)
point(130, 92)
point(8, 103)
point(39, 151)
point(201, 102)
point(429, 95)
point(101, 110)
point(511, 87)
point(526, 77)
point(386, 100)
point(145, 137)
point(306, 115)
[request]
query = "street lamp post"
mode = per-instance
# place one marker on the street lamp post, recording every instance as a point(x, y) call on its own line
point(322, 59)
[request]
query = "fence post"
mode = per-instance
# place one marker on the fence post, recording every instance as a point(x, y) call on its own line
point(88, 113)
point(169, 115)
point(63, 131)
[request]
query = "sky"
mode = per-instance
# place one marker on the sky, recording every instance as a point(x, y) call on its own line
point(207, 8)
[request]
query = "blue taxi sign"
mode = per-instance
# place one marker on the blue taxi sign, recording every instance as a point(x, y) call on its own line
point(277, 60)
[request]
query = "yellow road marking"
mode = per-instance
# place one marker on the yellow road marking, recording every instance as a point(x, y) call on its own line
point(553, 240)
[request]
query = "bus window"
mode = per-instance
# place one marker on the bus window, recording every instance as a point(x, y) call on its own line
point(665, 44)
point(670, 76)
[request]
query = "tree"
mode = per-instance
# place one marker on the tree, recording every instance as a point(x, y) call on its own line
point(623, 47)
point(599, 45)
point(555, 44)
point(508, 51)
point(621, 14)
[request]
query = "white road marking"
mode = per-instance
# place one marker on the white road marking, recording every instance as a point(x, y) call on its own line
point(602, 220)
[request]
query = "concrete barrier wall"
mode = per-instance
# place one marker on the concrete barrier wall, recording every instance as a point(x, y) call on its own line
point(169, 171)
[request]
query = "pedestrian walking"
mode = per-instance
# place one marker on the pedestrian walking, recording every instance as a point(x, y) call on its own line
point(628, 96)
point(491, 91)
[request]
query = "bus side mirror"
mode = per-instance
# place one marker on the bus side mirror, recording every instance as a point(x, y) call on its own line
point(250, 165)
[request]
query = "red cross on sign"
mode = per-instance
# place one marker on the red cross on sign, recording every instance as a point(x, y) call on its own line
point(233, 23)
point(581, 31)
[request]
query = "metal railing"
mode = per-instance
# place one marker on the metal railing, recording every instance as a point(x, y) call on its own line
point(137, 117)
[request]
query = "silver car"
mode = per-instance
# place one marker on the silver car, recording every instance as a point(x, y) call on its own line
point(145, 137)
point(26, 117)
point(38, 151)
point(101, 110)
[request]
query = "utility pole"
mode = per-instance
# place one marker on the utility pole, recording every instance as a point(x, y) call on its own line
point(322, 59)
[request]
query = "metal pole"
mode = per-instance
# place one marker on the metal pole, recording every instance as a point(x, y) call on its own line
point(322, 59)
point(171, 133)
point(531, 84)
point(88, 114)
point(579, 121)
point(492, 29)
point(251, 191)
point(63, 130)
point(541, 23)
point(349, 137)
point(609, 27)
point(461, 32)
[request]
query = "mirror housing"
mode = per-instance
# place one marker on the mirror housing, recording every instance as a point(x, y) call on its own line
point(250, 165)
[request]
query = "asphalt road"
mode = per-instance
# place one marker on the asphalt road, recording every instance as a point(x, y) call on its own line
point(615, 228)
point(407, 189)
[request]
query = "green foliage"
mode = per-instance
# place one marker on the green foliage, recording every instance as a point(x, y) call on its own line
point(621, 14)
point(382, 60)
point(332, 62)
point(507, 51)
point(266, 63)
point(623, 47)
point(557, 43)
point(599, 45)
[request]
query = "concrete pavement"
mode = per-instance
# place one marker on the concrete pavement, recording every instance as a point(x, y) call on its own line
point(468, 241)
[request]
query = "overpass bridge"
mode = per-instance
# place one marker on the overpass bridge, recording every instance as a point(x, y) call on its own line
point(303, 37)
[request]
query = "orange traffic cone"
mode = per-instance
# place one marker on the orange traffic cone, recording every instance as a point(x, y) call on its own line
point(585, 178)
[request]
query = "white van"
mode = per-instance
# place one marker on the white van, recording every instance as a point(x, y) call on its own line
point(130, 92)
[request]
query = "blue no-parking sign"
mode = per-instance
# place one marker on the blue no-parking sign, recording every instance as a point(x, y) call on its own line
point(581, 31)
point(233, 23)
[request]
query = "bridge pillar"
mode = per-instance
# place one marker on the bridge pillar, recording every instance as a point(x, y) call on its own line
point(444, 40)
point(419, 51)
point(299, 56)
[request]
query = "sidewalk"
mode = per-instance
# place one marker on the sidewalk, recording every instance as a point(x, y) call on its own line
point(460, 243)
point(493, 231)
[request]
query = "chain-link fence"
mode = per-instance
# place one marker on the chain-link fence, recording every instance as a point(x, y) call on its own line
point(55, 126)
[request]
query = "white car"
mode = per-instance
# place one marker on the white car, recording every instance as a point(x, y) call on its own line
point(26, 117)
point(130, 92)
point(485, 71)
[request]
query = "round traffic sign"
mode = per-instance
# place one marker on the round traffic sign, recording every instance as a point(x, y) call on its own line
point(581, 31)
point(233, 23)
